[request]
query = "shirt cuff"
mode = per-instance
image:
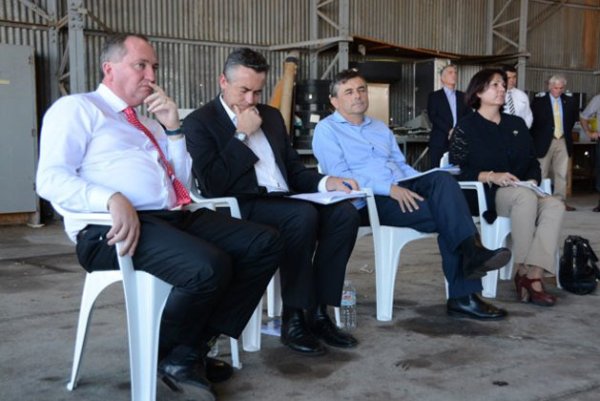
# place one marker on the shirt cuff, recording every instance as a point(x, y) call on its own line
point(98, 198)
point(323, 184)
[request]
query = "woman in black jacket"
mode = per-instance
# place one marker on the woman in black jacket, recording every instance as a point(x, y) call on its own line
point(497, 149)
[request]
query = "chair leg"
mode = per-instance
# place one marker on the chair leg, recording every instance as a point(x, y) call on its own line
point(143, 320)
point(490, 284)
point(94, 284)
point(387, 258)
point(251, 333)
point(338, 320)
point(274, 302)
point(235, 353)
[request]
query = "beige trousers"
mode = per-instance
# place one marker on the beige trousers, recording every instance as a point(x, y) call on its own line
point(535, 225)
point(557, 160)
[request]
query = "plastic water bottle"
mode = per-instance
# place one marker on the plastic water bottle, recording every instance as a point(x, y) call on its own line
point(348, 306)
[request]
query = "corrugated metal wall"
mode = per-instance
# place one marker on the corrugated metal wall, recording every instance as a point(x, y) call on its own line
point(449, 25)
point(193, 37)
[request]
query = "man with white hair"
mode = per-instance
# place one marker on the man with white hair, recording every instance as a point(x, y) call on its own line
point(554, 114)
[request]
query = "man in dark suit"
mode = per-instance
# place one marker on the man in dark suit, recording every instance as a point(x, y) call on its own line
point(241, 148)
point(554, 114)
point(444, 108)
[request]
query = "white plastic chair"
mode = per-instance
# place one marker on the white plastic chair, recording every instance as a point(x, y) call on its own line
point(388, 242)
point(145, 298)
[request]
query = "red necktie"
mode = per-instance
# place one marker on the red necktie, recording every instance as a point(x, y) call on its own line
point(182, 194)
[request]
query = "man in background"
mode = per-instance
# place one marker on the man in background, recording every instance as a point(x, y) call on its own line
point(517, 101)
point(589, 123)
point(444, 108)
point(554, 114)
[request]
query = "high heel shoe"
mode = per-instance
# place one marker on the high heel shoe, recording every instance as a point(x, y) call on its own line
point(527, 293)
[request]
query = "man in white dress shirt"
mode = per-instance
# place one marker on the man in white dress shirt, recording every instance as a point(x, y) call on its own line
point(96, 155)
point(589, 123)
point(517, 101)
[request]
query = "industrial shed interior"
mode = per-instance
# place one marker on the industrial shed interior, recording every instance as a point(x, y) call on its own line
point(51, 48)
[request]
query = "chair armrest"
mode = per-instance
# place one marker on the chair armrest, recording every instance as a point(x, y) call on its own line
point(476, 186)
point(213, 203)
point(102, 218)
point(372, 209)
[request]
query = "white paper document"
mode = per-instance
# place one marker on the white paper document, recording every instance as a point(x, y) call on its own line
point(528, 184)
point(327, 198)
point(449, 169)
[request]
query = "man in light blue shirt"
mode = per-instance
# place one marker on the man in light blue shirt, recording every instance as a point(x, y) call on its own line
point(350, 144)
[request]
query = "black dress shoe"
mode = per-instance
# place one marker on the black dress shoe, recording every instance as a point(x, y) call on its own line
point(478, 260)
point(183, 371)
point(217, 371)
point(473, 307)
point(321, 325)
point(597, 208)
point(296, 335)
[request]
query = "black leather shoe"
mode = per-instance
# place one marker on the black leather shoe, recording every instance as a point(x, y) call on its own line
point(217, 371)
point(321, 325)
point(478, 260)
point(296, 335)
point(473, 307)
point(183, 371)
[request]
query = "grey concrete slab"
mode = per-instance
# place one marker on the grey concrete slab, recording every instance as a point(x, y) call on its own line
point(422, 354)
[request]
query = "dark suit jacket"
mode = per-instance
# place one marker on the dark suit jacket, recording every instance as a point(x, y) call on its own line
point(224, 166)
point(542, 128)
point(440, 115)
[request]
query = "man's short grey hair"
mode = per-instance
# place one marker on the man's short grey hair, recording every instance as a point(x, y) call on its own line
point(341, 78)
point(556, 79)
point(114, 47)
point(245, 57)
point(444, 68)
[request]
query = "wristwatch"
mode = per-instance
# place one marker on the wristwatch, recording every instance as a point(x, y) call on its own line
point(241, 136)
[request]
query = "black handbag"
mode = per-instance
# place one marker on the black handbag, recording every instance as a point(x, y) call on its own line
point(578, 271)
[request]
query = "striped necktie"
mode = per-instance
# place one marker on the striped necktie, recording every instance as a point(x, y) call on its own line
point(182, 194)
point(510, 104)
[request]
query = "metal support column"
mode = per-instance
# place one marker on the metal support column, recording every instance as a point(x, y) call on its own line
point(521, 70)
point(496, 21)
point(53, 49)
point(489, 27)
point(76, 47)
point(344, 31)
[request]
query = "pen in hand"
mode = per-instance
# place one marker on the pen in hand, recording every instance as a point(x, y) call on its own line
point(347, 185)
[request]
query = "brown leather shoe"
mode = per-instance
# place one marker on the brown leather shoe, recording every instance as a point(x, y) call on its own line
point(569, 208)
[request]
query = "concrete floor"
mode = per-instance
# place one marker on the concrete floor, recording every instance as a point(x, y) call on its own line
point(537, 354)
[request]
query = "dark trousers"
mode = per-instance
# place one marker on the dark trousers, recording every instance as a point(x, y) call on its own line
point(219, 267)
point(318, 241)
point(444, 211)
point(438, 145)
